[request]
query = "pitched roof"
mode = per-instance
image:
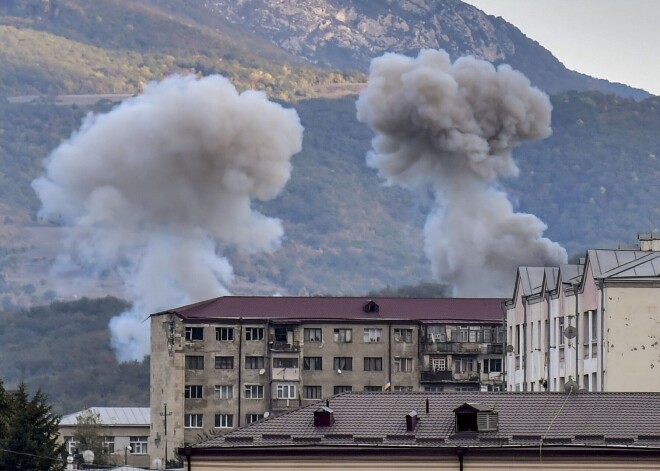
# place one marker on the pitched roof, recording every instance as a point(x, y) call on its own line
point(525, 420)
point(624, 264)
point(115, 416)
point(342, 308)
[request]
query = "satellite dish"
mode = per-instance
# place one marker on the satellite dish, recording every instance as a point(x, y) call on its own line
point(262, 372)
point(571, 386)
point(339, 371)
point(510, 349)
point(570, 332)
point(88, 456)
point(266, 415)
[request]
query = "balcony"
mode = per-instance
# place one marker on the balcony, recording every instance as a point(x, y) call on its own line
point(436, 376)
point(284, 346)
point(285, 404)
point(456, 347)
point(448, 376)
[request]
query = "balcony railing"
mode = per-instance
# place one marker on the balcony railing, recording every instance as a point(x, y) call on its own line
point(284, 346)
point(471, 348)
point(449, 376)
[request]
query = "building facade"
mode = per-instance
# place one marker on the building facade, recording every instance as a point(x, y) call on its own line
point(593, 326)
point(125, 432)
point(231, 361)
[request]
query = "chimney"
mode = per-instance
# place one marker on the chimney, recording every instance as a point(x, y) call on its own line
point(411, 421)
point(649, 242)
point(324, 417)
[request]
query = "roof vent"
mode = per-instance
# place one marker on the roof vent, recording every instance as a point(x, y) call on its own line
point(476, 418)
point(324, 417)
point(411, 421)
point(371, 306)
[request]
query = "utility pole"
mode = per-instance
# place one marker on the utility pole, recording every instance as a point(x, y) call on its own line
point(164, 415)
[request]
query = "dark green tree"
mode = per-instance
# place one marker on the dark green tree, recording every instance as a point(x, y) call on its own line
point(31, 439)
point(89, 436)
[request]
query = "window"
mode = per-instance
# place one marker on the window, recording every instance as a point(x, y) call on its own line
point(312, 392)
point(254, 333)
point(403, 335)
point(594, 326)
point(466, 388)
point(224, 334)
point(561, 331)
point(194, 333)
point(192, 421)
point(463, 334)
point(343, 363)
point(313, 363)
point(373, 335)
point(439, 363)
point(402, 388)
point(343, 335)
point(224, 420)
point(254, 363)
point(194, 362)
point(464, 364)
point(224, 391)
point(285, 362)
point(373, 388)
point(139, 445)
point(493, 365)
point(403, 364)
point(313, 335)
point(192, 391)
point(433, 388)
point(109, 444)
point(285, 391)
point(249, 418)
point(71, 444)
point(254, 391)
point(224, 363)
point(342, 389)
point(373, 364)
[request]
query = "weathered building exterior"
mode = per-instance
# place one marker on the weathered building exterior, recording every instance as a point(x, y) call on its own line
point(596, 324)
point(230, 361)
point(449, 431)
point(125, 432)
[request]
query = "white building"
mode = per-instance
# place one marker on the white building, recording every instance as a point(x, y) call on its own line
point(596, 323)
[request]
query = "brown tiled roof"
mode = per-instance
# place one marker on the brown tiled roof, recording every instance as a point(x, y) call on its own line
point(342, 308)
point(525, 420)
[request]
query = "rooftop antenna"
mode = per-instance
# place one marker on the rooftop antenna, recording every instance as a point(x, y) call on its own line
point(427, 405)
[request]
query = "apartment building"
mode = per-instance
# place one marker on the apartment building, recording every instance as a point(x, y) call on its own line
point(593, 326)
point(231, 361)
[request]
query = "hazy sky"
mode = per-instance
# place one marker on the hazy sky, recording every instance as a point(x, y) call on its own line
point(618, 40)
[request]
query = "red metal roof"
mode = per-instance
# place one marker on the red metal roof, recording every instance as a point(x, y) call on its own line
point(343, 308)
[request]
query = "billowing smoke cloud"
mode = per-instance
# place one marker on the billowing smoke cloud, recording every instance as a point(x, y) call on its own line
point(156, 189)
point(452, 126)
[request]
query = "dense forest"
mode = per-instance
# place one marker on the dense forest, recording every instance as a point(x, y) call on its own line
point(64, 349)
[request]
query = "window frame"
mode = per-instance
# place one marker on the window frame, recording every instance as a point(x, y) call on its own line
point(403, 335)
point(193, 334)
point(250, 361)
point(400, 362)
point(318, 392)
point(193, 420)
point(194, 365)
point(339, 389)
point(373, 363)
point(372, 335)
point(343, 335)
point(285, 362)
point(225, 420)
point(139, 445)
point(316, 338)
point(226, 332)
point(221, 362)
point(312, 363)
point(342, 363)
point(223, 391)
point(256, 391)
point(255, 334)
point(290, 388)
point(193, 391)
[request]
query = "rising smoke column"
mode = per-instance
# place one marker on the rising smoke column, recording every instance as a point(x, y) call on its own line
point(156, 188)
point(453, 126)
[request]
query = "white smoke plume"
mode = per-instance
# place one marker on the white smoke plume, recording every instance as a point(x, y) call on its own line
point(453, 126)
point(157, 188)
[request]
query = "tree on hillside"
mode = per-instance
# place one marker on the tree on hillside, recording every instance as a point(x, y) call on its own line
point(30, 443)
point(88, 436)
